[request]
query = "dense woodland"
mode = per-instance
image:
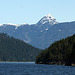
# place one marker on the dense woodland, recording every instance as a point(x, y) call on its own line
point(12, 49)
point(60, 52)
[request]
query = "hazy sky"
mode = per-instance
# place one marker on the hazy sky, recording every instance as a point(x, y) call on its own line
point(31, 11)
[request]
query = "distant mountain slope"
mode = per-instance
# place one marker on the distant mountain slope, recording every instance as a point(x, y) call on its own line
point(60, 52)
point(12, 49)
point(42, 34)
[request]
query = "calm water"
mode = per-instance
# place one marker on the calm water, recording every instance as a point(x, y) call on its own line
point(35, 69)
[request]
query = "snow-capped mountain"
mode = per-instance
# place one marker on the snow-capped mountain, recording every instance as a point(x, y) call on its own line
point(9, 24)
point(48, 19)
point(42, 34)
point(15, 25)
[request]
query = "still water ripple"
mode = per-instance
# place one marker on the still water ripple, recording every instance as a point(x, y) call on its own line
point(26, 68)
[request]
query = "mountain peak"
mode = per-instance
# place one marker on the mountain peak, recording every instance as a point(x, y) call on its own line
point(48, 19)
point(49, 16)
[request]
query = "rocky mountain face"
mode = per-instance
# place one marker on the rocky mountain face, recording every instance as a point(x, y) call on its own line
point(41, 34)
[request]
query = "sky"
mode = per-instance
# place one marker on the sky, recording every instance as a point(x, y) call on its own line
point(31, 11)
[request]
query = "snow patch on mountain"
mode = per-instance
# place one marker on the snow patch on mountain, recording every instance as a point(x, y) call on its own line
point(1, 24)
point(47, 29)
point(23, 24)
point(12, 24)
point(5, 24)
point(49, 16)
point(8, 24)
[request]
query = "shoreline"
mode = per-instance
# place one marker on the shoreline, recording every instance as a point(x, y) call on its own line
point(55, 64)
point(18, 61)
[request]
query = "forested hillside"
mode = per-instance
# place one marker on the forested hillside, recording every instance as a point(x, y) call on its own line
point(60, 52)
point(12, 49)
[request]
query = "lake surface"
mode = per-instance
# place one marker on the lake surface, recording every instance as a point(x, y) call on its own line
point(25, 68)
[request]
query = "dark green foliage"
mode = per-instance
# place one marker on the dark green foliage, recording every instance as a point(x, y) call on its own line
point(12, 49)
point(60, 52)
